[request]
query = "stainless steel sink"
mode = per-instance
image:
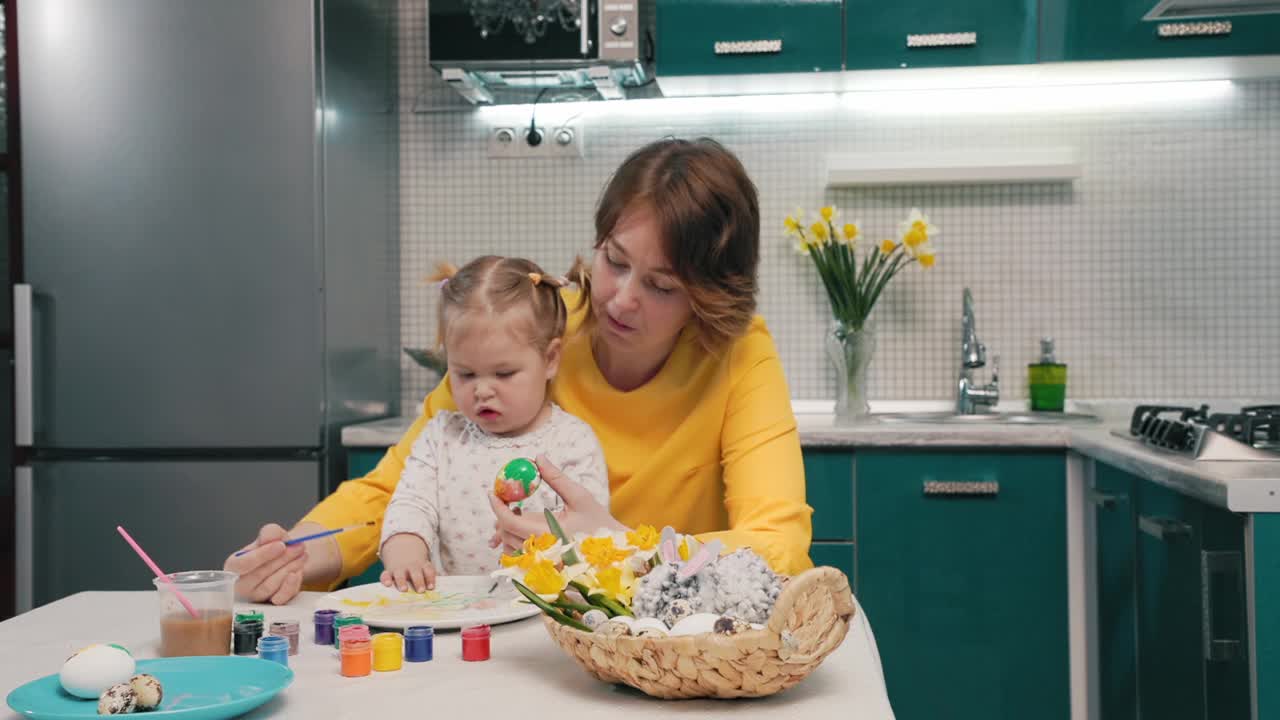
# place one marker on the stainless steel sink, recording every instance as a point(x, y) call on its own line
point(1027, 417)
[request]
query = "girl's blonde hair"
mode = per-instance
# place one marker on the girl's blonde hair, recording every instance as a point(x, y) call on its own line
point(490, 285)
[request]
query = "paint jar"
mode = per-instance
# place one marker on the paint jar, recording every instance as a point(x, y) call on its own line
point(249, 616)
point(325, 634)
point(274, 648)
point(419, 643)
point(244, 637)
point(207, 632)
point(353, 632)
point(357, 657)
point(287, 629)
point(388, 651)
point(341, 621)
point(475, 643)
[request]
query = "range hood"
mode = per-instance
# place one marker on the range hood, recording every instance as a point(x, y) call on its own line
point(1182, 9)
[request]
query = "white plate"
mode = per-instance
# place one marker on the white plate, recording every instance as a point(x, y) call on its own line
point(458, 601)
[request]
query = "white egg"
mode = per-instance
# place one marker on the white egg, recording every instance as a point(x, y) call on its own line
point(696, 624)
point(649, 627)
point(94, 669)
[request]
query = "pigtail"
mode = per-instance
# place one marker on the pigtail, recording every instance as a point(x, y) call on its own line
point(444, 272)
point(580, 274)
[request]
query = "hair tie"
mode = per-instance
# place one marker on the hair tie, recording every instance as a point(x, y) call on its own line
point(442, 283)
point(535, 277)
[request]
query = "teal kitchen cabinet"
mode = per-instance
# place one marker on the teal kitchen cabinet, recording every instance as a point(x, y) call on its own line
point(362, 461)
point(962, 570)
point(939, 33)
point(1115, 30)
point(828, 475)
point(1192, 635)
point(744, 37)
point(1115, 560)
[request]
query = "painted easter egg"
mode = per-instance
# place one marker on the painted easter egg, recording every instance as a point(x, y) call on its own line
point(92, 670)
point(517, 480)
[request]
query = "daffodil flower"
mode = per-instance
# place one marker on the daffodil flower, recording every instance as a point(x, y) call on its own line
point(887, 246)
point(820, 233)
point(829, 214)
point(614, 582)
point(916, 229)
point(927, 257)
point(548, 581)
point(792, 223)
point(601, 552)
point(851, 231)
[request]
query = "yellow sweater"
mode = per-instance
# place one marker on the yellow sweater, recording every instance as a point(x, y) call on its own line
point(708, 446)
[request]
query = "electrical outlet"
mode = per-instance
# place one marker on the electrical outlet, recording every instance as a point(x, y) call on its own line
point(520, 142)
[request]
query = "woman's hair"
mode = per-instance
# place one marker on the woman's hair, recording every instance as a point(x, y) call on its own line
point(490, 285)
point(706, 208)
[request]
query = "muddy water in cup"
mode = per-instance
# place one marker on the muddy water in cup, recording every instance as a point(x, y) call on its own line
point(183, 635)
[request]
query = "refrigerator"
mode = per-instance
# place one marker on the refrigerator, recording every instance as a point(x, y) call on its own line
point(207, 286)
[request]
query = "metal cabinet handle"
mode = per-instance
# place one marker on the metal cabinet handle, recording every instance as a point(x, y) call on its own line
point(1106, 501)
point(1228, 565)
point(1206, 28)
point(1162, 528)
point(584, 32)
point(963, 488)
point(23, 537)
point(23, 368)
point(747, 47)
point(932, 40)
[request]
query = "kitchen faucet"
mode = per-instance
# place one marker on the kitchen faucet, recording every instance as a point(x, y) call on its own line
point(973, 355)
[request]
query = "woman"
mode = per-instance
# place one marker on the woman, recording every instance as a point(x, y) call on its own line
point(667, 362)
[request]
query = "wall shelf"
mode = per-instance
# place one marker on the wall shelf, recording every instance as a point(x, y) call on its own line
point(1043, 165)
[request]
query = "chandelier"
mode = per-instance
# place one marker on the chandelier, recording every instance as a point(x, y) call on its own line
point(529, 18)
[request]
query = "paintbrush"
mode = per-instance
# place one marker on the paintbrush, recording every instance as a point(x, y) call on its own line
point(314, 536)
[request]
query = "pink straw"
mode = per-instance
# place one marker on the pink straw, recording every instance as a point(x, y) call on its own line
point(159, 573)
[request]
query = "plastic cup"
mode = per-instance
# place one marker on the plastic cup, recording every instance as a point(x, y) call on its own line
point(212, 593)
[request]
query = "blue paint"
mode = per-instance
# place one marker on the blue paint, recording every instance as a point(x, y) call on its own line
point(419, 643)
point(274, 648)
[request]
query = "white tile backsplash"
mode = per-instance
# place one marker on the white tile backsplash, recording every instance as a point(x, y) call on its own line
point(1157, 272)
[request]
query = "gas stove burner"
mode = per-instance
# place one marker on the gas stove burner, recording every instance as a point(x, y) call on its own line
point(1253, 433)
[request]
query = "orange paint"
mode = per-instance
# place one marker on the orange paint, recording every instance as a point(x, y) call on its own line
point(357, 657)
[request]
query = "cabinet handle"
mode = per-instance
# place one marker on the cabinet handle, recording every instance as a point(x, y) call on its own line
point(747, 47)
point(932, 40)
point(985, 488)
point(1106, 501)
point(24, 538)
point(1207, 28)
point(1162, 528)
point(1228, 565)
point(584, 31)
point(23, 368)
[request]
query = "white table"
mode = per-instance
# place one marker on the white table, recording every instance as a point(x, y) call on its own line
point(527, 674)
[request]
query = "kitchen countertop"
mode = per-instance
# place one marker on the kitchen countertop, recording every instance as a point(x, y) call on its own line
point(527, 677)
point(1235, 485)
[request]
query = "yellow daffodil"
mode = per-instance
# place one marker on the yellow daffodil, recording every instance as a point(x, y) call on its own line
point(916, 229)
point(601, 552)
point(522, 561)
point(829, 214)
point(544, 579)
point(644, 537)
point(539, 543)
point(615, 582)
point(927, 257)
point(887, 246)
point(820, 233)
point(792, 223)
point(851, 231)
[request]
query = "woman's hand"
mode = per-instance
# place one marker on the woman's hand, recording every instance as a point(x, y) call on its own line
point(270, 572)
point(582, 513)
point(408, 562)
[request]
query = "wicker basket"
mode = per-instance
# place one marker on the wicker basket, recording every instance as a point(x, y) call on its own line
point(809, 620)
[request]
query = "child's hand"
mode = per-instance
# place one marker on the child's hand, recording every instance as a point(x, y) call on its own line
point(408, 562)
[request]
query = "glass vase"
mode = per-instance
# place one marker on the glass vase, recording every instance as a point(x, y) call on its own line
point(850, 351)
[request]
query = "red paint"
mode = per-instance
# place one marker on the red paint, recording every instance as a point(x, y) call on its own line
point(475, 643)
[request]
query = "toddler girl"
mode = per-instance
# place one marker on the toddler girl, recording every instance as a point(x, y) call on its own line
point(501, 322)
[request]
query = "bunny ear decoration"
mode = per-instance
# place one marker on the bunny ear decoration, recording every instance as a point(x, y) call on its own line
point(667, 545)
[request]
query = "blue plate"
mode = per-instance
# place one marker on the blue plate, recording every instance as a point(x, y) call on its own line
point(195, 688)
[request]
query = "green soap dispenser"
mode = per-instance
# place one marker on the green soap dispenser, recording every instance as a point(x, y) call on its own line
point(1047, 380)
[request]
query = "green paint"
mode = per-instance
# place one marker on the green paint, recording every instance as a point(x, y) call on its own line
point(523, 471)
point(121, 647)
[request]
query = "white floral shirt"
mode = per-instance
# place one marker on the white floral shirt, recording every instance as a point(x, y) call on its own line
point(443, 493)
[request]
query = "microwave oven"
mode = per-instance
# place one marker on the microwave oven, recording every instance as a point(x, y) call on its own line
point(485, 48)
